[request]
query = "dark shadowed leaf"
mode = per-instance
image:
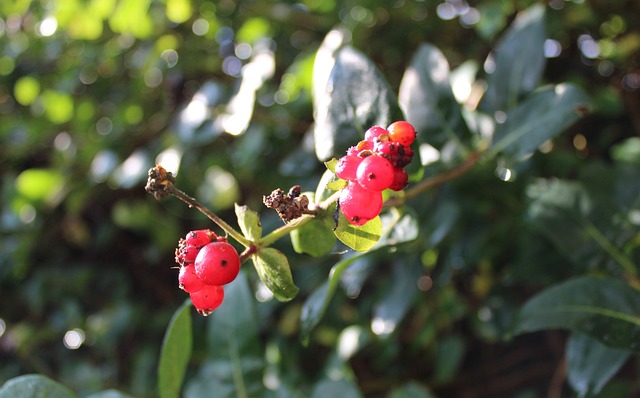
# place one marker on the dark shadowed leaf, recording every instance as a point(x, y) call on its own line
point(410, 390)
point(34, 386)
point(516, 62)
point(335, 388)
point(591, 364)
point(235, 366)
point(544, 114)
point(274, 271)
point(176, 352)
point(427, 98)
point(604, 308)
point(355, 97)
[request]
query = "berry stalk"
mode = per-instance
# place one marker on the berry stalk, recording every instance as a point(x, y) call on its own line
point(160, 185)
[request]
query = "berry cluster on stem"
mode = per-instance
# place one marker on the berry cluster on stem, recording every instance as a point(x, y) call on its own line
point(375, 164)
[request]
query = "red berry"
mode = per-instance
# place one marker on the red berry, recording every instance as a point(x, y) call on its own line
point(217, 263)
point(375, 173)
point(347, 166)
point(199, 237)
point(188, 280)
point(386, 148)
point(207, 299)
point(358, 204)
point(374, 132)
point(400, 178)
point(402, 132)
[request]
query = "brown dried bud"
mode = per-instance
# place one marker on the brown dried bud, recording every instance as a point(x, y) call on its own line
point(160, 182)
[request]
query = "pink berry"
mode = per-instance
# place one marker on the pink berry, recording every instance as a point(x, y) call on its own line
point(217, 263)
point(358, 204)
point(374, 132)
point(402, 132)
point(207, 299)
point(400, 178)
point(375, 173)
point(347, 166)
point(188, 280)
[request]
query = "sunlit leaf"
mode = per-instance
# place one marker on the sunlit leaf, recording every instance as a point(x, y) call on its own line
point(58, 106)
point(360, 238)
point(110, 393)
point(40, 185)
point(517, 61)
point(355, 97)
point(34, 386)
point(249, 222)
point(427, 98)
point(591, 364)
point(175, 353)
point(178, 11)
point(26, 90)
point(604, 308)
point(274, 271)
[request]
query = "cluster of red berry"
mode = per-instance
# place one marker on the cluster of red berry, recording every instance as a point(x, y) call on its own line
point(207, 263)
point(375, 164)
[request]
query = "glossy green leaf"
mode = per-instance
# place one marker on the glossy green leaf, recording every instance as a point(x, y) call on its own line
point(517, 61)
point(604, 308)
point(315, 238)
point(360, 238)
point(175, 353)
point(327, 186)
point(34, 386)
point(389, 311)
point(427, 98)
point(355, 97)
point(274, 271)
point(591, 364)
point(541, 116)
point(317, 303)
point(249, 222)
point(235, 365)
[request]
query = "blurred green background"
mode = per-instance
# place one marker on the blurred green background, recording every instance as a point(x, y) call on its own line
point(95, 92)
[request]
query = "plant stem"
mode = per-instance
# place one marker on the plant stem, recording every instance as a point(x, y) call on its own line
point(429, 183)
point(192, 202)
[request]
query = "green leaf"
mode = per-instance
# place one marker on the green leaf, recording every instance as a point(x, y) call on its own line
point(590, 364)
point(394, 305)
point(249, 222)
point(176, 352)
point(315, 238)
point(541, 116)
point(235, 364)
point(110, 393)
point(274, 271)
point(317, 303)
point(34, 386)
point(427, 98)
point(604, 308)
point(410, 390)
point(40, 185)
point(354, 97)
point(336, 388)
point(517, 61)
point(360, 238)
point(627, 151)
